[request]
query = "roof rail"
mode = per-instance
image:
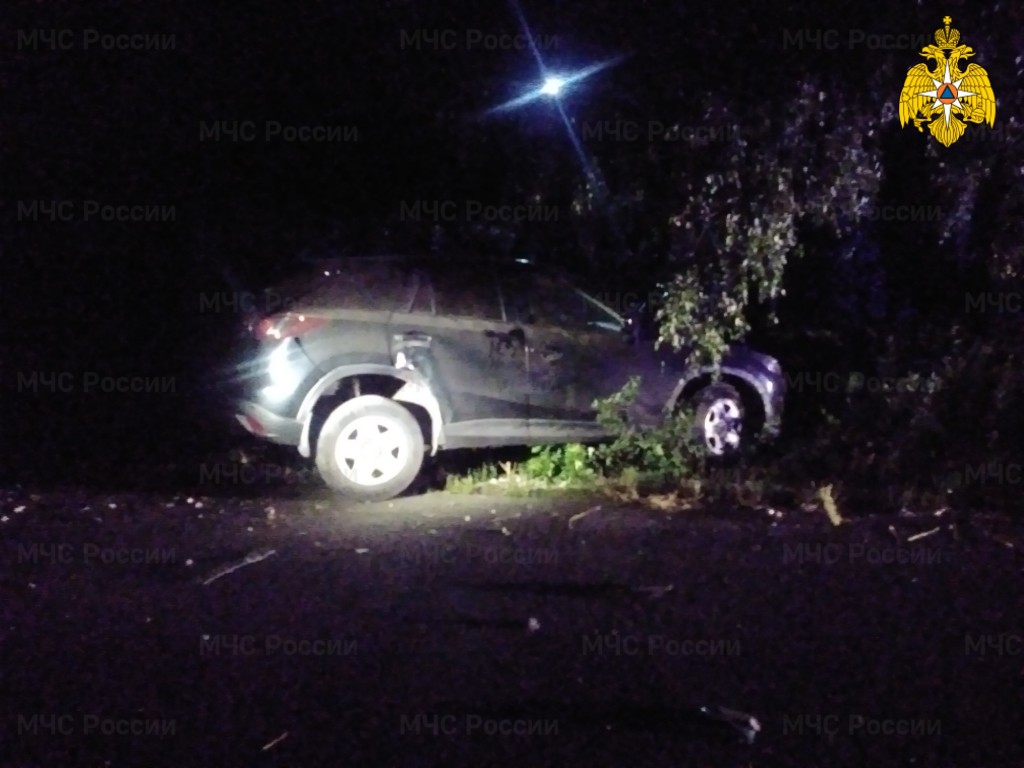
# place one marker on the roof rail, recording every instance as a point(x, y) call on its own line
point(347, 259)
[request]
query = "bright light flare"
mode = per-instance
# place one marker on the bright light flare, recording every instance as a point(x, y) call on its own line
point(285, 379)
point(555, 86)
point(552, 86)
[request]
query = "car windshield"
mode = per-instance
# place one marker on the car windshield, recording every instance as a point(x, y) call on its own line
point(598, 315)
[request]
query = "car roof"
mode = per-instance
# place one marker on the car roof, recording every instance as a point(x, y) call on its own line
point(427, 260)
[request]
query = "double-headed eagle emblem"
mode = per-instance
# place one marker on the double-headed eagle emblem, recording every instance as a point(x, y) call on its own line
point(946, 97)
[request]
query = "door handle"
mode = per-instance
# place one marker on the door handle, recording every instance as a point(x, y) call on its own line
point(412, 338)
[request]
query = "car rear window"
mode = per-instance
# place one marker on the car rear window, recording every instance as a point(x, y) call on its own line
point(377, 286)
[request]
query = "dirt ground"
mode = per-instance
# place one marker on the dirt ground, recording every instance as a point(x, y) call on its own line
point(280, 626)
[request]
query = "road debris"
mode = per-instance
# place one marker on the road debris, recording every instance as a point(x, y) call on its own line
point(580, 515)
point(747, 725)
point(275, 742)
point(532, 625)
point(663, 501)
point(253, 557)
point(917, 536)
point(828, 501)
point(653, 593)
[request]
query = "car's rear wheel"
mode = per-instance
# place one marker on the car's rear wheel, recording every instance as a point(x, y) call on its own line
point(370, 448)
point(719, 420)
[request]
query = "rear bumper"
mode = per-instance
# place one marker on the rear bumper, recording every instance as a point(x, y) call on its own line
point(266, 424)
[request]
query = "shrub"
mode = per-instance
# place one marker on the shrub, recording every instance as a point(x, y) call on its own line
point(668, 452)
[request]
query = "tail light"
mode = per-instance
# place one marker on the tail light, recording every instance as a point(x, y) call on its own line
point(288, 325)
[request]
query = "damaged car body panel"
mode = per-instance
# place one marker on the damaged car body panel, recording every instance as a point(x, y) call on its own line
point(377, 359)
point(471, 356)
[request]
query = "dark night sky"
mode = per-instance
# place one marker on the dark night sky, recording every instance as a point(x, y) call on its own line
point(124, 127)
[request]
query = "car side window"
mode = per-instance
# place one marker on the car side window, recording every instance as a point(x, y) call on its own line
point(544, 299)
point(464, 294)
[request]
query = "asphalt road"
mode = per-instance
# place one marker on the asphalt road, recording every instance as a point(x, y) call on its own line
point(286, 628)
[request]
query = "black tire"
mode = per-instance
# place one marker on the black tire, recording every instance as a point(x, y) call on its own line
point(397, 456)
point(719, 421)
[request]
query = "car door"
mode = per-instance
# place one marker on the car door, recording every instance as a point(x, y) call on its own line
point(576, 351)
point(479, 357)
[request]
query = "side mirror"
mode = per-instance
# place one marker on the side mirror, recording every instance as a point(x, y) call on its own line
point(642, 320)
point(632, 328)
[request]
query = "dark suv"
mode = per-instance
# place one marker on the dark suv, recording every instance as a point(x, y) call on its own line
point(371, 362)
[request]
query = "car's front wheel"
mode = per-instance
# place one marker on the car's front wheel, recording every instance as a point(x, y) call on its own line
point(370, 448)
point(718, 421)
